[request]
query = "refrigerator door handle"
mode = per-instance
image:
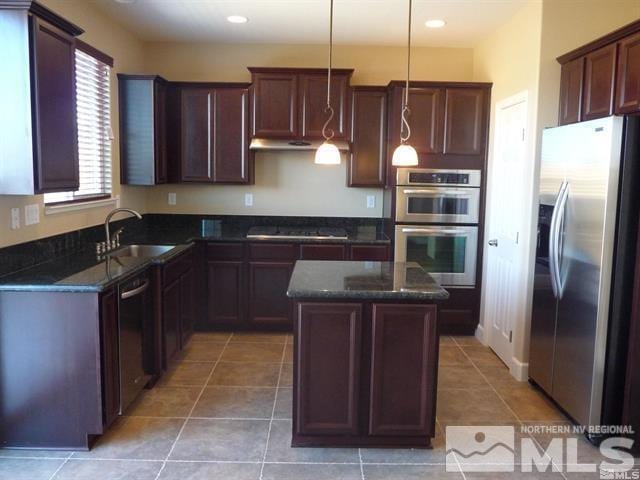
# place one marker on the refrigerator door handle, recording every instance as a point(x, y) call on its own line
point(559, 240)
point(553, 242)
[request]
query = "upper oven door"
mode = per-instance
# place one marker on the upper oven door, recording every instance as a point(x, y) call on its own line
point(437, 204)
point(448, 253)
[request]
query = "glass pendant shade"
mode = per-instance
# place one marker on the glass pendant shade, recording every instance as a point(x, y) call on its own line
point(327, 154)
point(405, 156)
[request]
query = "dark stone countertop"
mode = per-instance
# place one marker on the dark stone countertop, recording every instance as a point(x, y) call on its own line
point(363, 281)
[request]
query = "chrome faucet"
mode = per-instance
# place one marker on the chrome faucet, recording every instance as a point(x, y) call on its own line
point(109, 244)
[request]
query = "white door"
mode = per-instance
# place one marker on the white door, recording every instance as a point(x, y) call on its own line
point(504, 269)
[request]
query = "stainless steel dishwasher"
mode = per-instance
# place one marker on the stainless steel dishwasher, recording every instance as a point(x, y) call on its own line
point(134, 310)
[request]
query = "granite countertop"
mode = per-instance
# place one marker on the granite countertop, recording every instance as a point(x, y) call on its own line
point(363, 281)
point(82, 272)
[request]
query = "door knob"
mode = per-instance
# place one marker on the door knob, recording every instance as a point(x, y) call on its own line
point(493, 242)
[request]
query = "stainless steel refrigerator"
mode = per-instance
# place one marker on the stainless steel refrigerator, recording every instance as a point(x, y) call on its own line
point(587, 231)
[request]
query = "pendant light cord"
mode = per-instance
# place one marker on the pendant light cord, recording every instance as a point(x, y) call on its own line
point(327, 132)
point(405, 107)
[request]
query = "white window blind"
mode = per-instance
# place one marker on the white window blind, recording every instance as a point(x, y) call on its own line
point(94, 130)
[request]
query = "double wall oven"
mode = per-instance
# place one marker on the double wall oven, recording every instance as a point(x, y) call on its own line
point(437, 215)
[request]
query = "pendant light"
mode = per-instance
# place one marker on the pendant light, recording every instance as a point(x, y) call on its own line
point(328, 153)
point(405, 155)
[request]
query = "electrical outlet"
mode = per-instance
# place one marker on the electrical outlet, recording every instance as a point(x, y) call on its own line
point(371, 201)
point(248, 199)
point(15, 218)
point(32, 214)
point(171, 198)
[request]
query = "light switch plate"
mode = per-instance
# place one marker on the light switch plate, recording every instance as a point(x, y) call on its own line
point(15, 218)
point(32, 214)
point(248, 199)
point(371, 201)
point(171, 198)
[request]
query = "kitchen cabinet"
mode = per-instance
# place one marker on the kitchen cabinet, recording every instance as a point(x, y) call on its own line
point(213, 140)
point(110, 359)
point(39, 126)
point(628, 75)
point(226, 290)
point(289, 103)
point(599, 81)
point(143, 129)
point(269, 305)
point(371, 253)
point(465, 130)
point(571, 86)
point(329, 356)
point(426, 118)
point(366, 166)
point(323, 252)
point(171, 320)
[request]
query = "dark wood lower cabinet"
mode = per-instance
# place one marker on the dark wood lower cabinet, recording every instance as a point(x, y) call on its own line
point(171, 320)
point(110, 359)
point(269, 305)
point(225, 291)
point(365, 373)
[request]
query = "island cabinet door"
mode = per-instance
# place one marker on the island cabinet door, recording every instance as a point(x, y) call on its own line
point(403, 370)
point(328, 368)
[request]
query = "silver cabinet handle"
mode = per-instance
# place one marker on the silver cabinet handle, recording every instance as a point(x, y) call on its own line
point(135, 291)
point(432, 231)
point(440, 192)
point(493, 242)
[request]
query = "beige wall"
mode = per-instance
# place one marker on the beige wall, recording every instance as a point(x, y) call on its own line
point(290, 184)
point(127, 50)
point(510, 58)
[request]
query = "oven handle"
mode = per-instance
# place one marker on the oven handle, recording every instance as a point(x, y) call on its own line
point(443, 192)
point(433, 230)
point(135, 291)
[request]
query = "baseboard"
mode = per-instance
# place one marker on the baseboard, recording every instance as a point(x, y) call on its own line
point(480, 334)
point(520, 370)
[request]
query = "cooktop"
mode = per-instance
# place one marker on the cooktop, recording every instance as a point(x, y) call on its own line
point(298, 232)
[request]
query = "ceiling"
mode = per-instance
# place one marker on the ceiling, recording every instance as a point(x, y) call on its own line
point(359, 22)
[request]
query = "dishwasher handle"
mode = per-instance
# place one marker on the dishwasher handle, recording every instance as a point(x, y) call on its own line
point(135, 291)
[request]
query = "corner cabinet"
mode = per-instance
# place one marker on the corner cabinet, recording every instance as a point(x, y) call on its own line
point(143, 129)
point(571, 86)
point(38, 96)
point(210, 142)
point(289, 103)
point(628, 73)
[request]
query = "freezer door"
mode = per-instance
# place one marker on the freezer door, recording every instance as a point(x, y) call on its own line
point(586, 229)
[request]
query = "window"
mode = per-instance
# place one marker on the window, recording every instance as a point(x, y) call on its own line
point(94, 129)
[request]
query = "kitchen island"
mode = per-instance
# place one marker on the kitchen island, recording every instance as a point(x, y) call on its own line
point(365, 354)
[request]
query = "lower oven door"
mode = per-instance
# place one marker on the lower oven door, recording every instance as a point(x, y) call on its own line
point(448, 253)
point(437, 204)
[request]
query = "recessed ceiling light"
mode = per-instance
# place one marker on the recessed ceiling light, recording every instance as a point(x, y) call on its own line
point(435, 23)
point(237, 19)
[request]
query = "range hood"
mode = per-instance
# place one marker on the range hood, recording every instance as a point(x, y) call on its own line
point(272, 144)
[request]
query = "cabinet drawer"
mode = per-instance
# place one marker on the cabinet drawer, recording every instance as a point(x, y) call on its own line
point(273, 251)
point(225, 251)
point(370, 253)
point(177, 267)
point(323, 252)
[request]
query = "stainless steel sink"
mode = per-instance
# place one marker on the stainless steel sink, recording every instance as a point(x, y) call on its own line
point(142, 250)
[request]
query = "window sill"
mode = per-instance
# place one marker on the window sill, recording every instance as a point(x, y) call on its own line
point(54, 209)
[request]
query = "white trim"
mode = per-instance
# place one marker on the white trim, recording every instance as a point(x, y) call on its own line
point(73, 207)
point(519, 370)
point(480, 334)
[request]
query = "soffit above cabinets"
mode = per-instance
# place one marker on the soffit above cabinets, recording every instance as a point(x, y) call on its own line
point(358, 22)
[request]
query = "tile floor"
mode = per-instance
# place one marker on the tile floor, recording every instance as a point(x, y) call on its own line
point(224, 412)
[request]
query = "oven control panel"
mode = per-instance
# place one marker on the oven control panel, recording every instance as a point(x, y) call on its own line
point(440, 177)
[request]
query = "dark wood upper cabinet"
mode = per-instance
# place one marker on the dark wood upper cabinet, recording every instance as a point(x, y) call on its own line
point(313, 101)
point(143, 129)
point(426, 119)
point(275, 105)
point(366, 166)
point(231, 135)
point(403, 370)
point(628, 75)
point(329, 363)
point(196, 159)
point(599, 81)
point(571, 87)
point(464, 131)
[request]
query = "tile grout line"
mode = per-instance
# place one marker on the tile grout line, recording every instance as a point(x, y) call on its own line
point(186, 420)
point(517, 417)
point(55, 474)
point(273, 409)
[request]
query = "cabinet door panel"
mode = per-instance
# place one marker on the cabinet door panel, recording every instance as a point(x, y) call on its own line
point(313, 90)
point(425, 120)
point(268, 301)
point(628, 88)
point(329, 364)
point(56, 133)
point(226, 286)
point(231, 136)
point(403, 372)
point(160, 130)
point(371, 253)
point(110, 358)
point(464, 121)
point(323, 252)
point(196, 135)
point(600, 68)
point(186, 306)
point(275, 105)
point(171, 320)
point(571, 85)
point(368, 138)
